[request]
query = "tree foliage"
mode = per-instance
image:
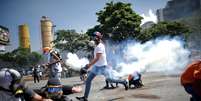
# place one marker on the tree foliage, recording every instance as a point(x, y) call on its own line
point(22, 57)
point(164, 29)
point(70, 40)
point(117, 21)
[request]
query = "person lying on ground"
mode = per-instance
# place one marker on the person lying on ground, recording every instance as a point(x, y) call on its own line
point(56, 91)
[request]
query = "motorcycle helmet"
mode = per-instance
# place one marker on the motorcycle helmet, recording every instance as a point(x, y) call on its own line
point(11, 81)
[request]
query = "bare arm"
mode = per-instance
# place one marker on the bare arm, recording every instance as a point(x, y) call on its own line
point(37, 97)
point(98, 55)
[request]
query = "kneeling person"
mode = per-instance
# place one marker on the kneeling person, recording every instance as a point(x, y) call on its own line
point(135, 79)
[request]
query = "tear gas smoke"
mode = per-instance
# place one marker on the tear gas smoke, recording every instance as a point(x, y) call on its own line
point(165, 55)
point(150, 17)
point(161, 55)
point(74, 62)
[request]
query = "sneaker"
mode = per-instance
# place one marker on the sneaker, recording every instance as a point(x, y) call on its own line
point(126, 85)
point(106, 87)
point(82, 98)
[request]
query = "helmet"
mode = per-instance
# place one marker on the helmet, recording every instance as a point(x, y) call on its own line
point(55, 53)
point(46, 49)
point(97, 34)
point(8, 77)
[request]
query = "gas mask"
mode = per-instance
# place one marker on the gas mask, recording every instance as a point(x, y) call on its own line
point(96, 40)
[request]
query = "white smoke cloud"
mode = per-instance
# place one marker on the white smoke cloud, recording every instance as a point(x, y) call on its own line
point(74, 62)
point(162, 55)
point(150, 17)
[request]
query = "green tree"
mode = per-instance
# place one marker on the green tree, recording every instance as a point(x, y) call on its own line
point(70, 40)
point(164, 29)
point(35, 58)
point(117, 21)
point(22, 57)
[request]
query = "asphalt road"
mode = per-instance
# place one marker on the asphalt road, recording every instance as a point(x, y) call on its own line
point(157, 87)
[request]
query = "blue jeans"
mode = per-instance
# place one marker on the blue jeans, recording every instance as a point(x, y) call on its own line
point(99, 70)
point(189, 90)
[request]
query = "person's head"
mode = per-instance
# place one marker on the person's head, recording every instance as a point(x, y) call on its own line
point(46, 50)
point(54, 88)
point(10, 80)
point(97, 37)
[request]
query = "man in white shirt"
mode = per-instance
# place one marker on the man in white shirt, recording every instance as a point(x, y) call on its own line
point(99, 67)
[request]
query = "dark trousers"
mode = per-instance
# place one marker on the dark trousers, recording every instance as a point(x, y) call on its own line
point(36, 77)
point(137, 83)
point(189, 90)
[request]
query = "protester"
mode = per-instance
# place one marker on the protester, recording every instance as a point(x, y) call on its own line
point(36, 74)
point(12, 88)
point(56, 91)
point(53, 61)
point(109, 85)
point(135, 79)
point(111, 74)
point(99, 64)
point(191, 80)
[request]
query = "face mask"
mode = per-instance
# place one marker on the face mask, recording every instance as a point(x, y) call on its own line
point(96, 40)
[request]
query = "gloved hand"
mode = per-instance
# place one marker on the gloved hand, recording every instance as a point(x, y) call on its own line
point(83, 70)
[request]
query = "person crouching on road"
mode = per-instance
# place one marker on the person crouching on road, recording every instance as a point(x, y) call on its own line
point(135, 79)
point(191, 80)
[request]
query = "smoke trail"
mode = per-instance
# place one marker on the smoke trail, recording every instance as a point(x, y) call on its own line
point(74, 62)
point(161, 55)
point(150, 17)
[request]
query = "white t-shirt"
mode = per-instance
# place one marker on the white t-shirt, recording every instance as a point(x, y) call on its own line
point(135, 75)
point(56, 67)
point(100, 48)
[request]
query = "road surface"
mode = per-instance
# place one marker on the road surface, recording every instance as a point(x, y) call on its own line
point(157, 87)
